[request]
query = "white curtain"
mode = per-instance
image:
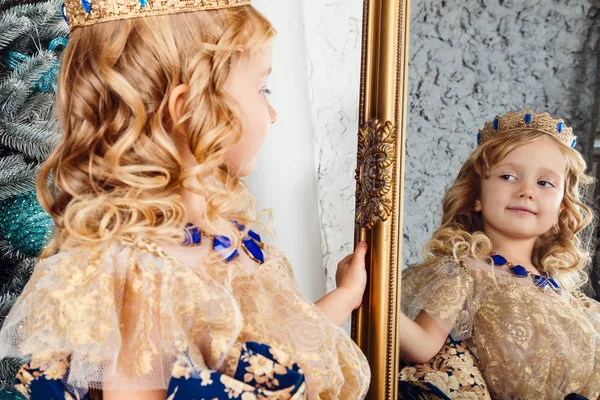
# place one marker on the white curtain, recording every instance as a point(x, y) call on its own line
point(286, 178)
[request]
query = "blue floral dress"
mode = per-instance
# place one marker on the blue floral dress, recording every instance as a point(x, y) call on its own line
point(259, 375)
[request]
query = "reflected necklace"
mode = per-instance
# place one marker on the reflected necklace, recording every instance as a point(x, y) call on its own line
point(251, 243)
point(543, 282)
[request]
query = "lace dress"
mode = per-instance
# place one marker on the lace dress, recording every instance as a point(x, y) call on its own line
point(190, 330)
point(530, 343)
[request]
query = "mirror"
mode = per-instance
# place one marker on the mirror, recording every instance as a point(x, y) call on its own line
point(416, 96)
point(419, 113)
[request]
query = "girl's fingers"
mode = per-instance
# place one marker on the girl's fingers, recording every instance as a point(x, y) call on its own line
point(360, 253)
point(347, 260)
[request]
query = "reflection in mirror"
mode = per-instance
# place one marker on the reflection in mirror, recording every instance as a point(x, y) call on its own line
point(471, 61)
point(468, 63)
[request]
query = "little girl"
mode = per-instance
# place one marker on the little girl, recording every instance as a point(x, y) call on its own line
point(503, 269)
point(154, 286)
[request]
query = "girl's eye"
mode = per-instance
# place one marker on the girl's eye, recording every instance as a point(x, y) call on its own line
point(266, 92)
point(507, 177)
point(545, 184)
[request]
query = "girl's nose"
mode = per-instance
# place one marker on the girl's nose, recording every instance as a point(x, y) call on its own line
point(272, 114)
point(526, 192)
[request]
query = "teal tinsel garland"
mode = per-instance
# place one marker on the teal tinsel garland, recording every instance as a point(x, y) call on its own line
point(25, 224)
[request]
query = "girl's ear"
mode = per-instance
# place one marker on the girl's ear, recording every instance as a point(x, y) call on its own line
point(176, 101)
point(477, 206)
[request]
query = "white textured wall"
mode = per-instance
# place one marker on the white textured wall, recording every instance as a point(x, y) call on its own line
point(333, 31)
point(285, 180)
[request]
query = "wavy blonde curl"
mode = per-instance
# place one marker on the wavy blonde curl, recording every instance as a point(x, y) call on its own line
point(563, 251)
point(117, 170)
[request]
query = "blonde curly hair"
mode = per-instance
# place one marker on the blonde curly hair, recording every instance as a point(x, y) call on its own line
point(117, 170)
point(562, 251)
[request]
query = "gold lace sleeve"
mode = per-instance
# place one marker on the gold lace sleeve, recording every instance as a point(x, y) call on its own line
point(589, 307)
point(444, 290)
point(73, 307)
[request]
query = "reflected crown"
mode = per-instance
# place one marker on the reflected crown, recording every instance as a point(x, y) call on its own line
point(527, 120)
point(88, 12)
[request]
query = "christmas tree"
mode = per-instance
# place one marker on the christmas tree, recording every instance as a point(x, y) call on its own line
point(32, 36)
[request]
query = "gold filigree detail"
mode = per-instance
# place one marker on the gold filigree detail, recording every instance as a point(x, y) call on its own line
point(111, 10)
point(527, 120)
point(374, 174)
point(512, 327)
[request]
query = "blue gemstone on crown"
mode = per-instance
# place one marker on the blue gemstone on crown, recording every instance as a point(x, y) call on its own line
point(574, 143)
point(144, 3)
point(528, 117)
point(496, 122)
point(87, 5)
point(478, 138)
point(560, 127)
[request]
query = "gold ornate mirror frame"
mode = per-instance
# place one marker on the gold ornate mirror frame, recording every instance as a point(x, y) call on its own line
point(380, 185)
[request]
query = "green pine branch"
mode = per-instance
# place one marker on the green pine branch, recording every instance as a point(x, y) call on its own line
point(9, 293)
point(28, 128)
point(34, 140)
point(39, 108)
point(21, 274)
point(40, 21)
point(11, 27)
point(8, 366)
point(16, 89)
point(7, 252)
point(8, 371)
point(16, 176)
point(5, 4)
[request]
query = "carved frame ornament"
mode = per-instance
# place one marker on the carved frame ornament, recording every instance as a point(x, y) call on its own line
point(380, 186)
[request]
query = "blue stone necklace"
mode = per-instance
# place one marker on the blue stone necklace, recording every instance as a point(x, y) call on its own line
point(252, 243)
point(544, 281)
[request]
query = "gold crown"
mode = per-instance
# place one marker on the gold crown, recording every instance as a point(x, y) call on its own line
point(89, 12)
point(527, 120)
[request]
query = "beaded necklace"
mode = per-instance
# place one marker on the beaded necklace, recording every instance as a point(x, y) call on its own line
point(251, 243)
point(543, 282)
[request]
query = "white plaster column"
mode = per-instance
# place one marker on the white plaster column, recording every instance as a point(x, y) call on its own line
point(333, 30)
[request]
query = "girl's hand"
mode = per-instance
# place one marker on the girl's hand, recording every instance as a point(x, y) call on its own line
point(351, 279)
point(351, 275)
